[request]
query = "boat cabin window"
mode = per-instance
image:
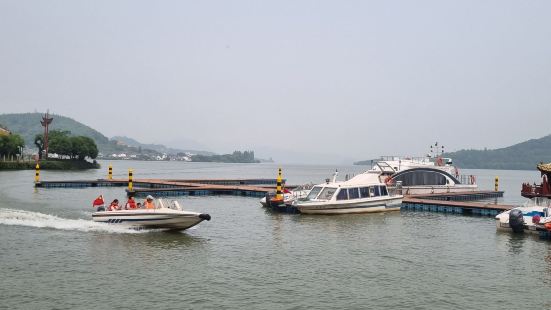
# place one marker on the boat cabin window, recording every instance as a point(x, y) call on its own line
point(384, 191)
point(327, 193)
point(376, 191)
point(353, 193)
point(313, 193)
point(371, 192)
point(343, 194)
point(364, 192)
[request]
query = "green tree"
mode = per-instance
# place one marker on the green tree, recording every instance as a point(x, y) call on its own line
point(11, 144)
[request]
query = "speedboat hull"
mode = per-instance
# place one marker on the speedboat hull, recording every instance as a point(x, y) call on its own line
point(151, 218)
point(371, 206)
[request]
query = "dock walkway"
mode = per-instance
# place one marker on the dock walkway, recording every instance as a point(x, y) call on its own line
point(460, 203)
point(174, 187)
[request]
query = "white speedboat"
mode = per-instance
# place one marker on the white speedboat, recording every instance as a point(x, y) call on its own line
point(530, 217)
point(170, 217)
point(363, 193)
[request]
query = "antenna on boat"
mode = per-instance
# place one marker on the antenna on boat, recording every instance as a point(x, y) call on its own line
point(335, 175)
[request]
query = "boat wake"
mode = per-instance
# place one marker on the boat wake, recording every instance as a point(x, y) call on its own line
point(41, 220)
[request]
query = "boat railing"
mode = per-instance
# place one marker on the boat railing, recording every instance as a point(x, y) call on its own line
point(535, 190)
point(467, 179)
point(404, 158)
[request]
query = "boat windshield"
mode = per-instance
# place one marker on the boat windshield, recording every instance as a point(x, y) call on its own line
point(314, 193)
point(327, 193)
point(539, 202)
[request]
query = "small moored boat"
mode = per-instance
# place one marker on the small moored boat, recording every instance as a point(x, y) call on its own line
point(530, 217)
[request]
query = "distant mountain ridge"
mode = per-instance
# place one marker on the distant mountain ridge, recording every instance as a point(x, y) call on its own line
point(157, 147)
point(521, 156)
point(28, 126)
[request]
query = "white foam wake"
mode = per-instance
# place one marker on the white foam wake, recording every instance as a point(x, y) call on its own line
point(41, 220)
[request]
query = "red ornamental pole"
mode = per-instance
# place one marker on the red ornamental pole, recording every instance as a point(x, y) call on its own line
point(46, 121)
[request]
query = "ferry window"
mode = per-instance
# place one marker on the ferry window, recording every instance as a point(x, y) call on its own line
point(384, 191)
point(371, 192)
point(343, 194)
point(313, 193)
point(376, 191)
point(353, 193)
point(327, 193)
point(364, 192)
point(422, 178)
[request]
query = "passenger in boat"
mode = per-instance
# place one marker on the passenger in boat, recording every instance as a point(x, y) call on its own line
point(99, 203)
point(139, 205)
point(114, 205)
point(130, 204)
point(148, 203)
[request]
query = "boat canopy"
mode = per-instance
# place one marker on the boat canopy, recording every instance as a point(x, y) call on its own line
point(544, 168)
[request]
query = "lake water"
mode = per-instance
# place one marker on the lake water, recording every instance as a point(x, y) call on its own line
point(53, 257)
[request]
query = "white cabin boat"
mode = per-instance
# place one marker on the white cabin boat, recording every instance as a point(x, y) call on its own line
point(162, 217)
point(363, 193)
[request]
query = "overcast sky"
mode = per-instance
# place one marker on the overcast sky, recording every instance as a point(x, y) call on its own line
point(296, 80)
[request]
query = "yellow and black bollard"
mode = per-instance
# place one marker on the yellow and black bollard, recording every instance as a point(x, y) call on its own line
point(279, 190)
point(37, 174)
point(110, 173)
point(130, 179)
point(496, 184)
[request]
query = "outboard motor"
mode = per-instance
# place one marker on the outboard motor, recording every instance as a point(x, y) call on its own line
point(516, 221)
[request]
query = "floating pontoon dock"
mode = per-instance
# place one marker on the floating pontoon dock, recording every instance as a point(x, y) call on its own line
point(459, 203)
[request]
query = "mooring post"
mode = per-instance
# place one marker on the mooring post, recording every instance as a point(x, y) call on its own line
point(130, 179)
point(496, 184)
point(279, 191)
point(37, 173)
point(110, 173)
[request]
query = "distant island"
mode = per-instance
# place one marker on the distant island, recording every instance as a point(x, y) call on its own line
point(367, 162)
point(522, 156)
point(235, 157)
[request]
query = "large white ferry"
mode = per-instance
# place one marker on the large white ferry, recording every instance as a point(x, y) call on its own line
point(423, 175)
point(363, 193)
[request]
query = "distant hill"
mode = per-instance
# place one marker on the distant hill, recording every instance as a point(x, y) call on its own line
point(521, 156)
point(28, 125)
point(157, 147)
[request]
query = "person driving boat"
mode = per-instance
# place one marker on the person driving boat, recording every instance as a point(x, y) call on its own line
point(148, 203)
